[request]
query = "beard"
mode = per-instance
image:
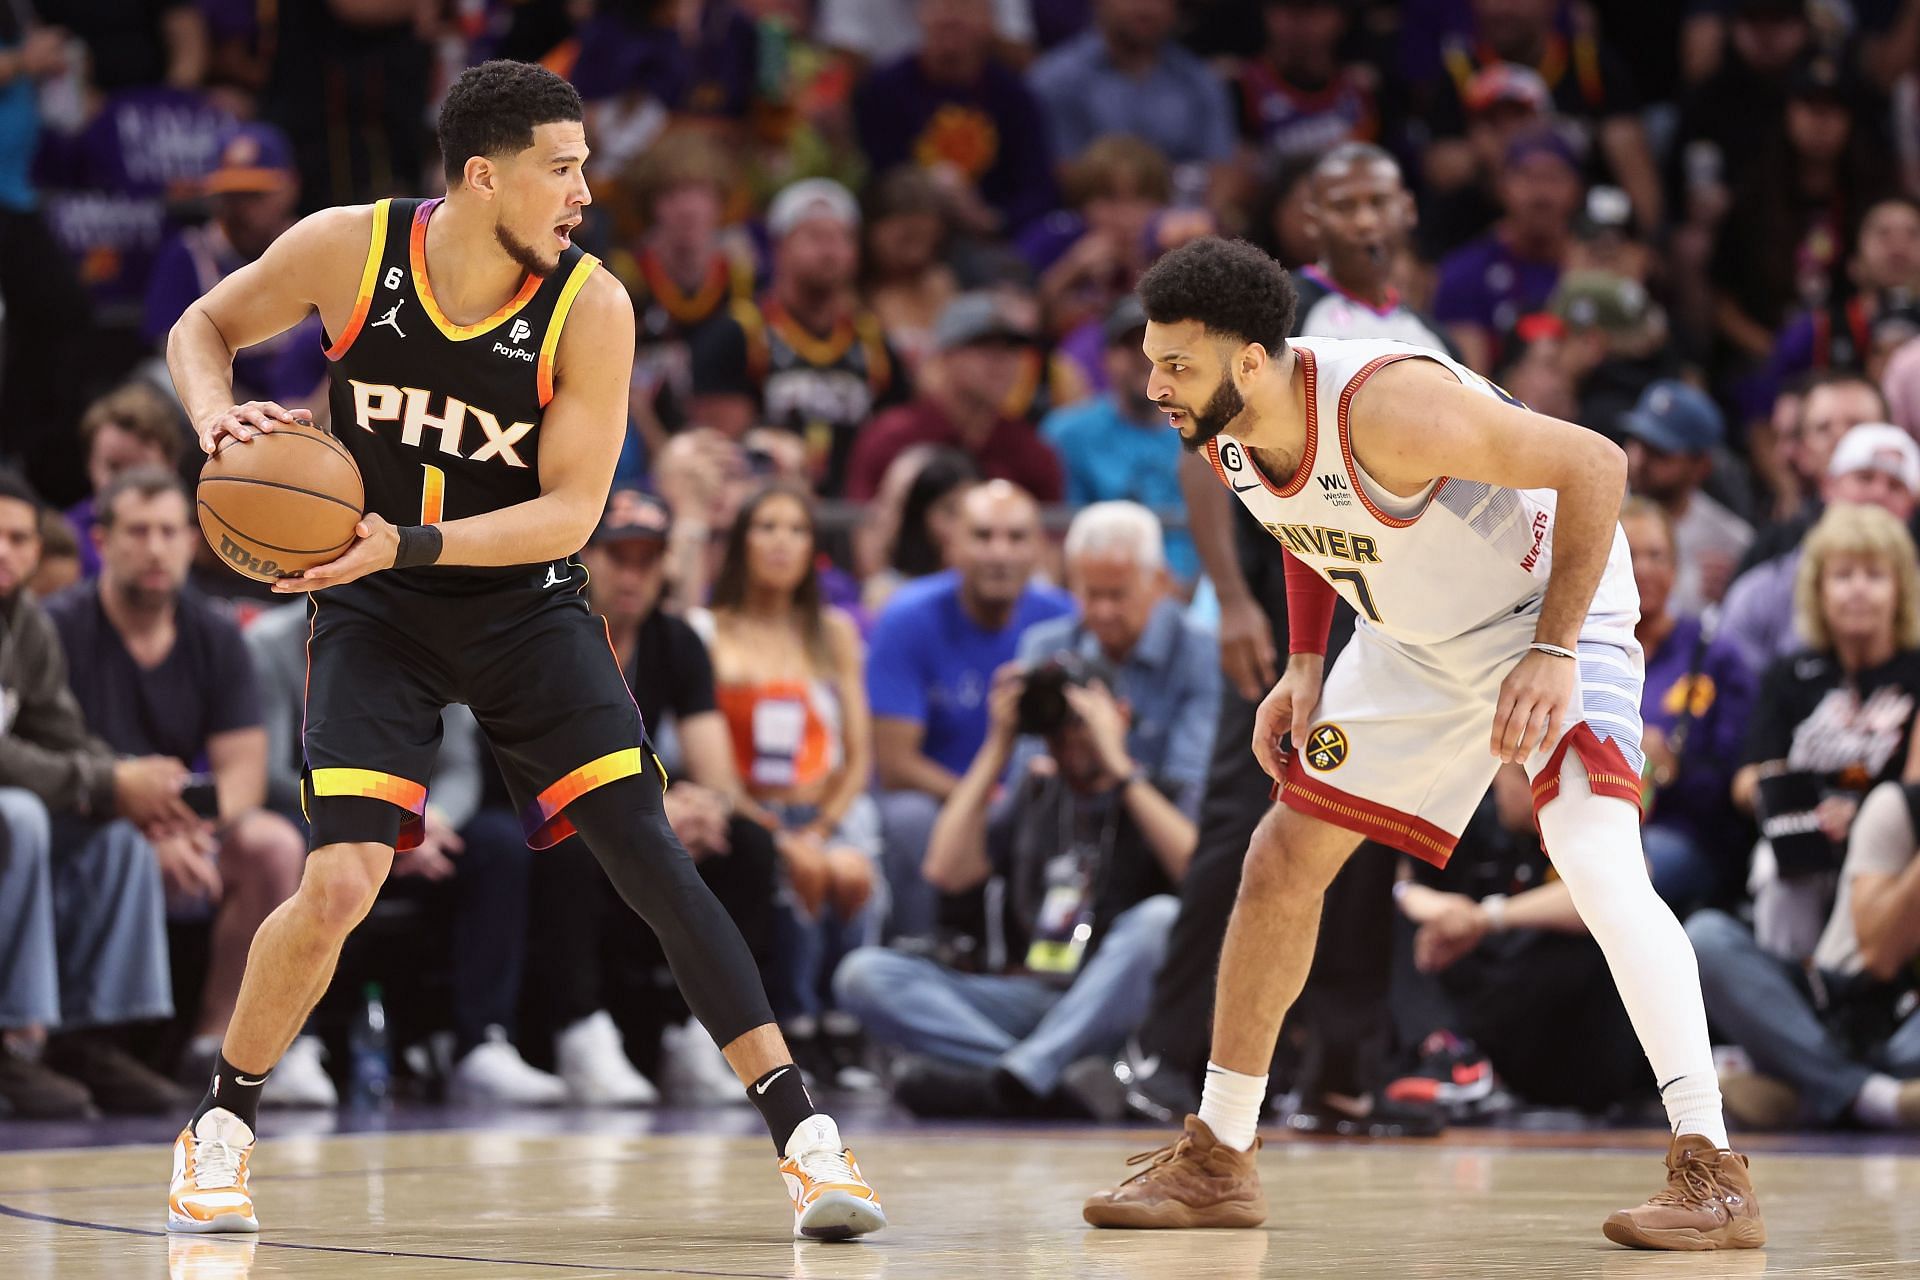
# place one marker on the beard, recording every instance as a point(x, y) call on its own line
point(1221, 408)
point(524, 254)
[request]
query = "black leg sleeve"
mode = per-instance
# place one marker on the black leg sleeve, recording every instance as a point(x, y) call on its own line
point(568, 908)
point(626, 826)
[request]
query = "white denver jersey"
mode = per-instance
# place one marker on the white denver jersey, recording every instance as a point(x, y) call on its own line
point(1452, 558)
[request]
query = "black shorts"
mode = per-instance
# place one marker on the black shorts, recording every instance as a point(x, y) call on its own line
point(385, 657)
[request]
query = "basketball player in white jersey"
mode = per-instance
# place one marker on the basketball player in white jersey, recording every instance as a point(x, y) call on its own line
point(1479, 544)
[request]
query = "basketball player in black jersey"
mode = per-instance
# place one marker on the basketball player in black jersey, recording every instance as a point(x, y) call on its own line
point(480, 382)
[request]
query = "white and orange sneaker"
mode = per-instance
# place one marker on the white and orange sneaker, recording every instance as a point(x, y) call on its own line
point(831, 1201)
point(210, 1176)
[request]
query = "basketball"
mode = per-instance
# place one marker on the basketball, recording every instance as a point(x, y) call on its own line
point(284, 501)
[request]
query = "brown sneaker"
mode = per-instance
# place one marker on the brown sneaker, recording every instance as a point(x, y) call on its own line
point(1196, 1182)
point(1708, 1203)
point(34, 1091)
point(118, 1081)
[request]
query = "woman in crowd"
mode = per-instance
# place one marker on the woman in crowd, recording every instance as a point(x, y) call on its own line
point(787, 675)
point(911, 519)
point(1835, 721)
point(1695, 706)
point(908, 282)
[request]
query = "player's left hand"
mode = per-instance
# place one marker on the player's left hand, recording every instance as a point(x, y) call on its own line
point(375, 544)
point(1533, 698)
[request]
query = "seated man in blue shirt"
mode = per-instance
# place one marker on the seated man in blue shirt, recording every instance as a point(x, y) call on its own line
point(1166, 669)
point(932, 657)
point(159, 671)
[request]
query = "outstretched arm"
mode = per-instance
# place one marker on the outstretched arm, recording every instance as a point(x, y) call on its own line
point(1413, 421)
point(580, 435)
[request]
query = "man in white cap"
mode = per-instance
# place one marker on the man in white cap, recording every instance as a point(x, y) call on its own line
point(809, 356)
point(1874, 463)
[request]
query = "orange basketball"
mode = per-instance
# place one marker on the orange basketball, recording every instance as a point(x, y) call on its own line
point(283, 501)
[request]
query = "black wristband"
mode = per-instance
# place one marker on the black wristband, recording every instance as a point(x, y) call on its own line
point(419, 544)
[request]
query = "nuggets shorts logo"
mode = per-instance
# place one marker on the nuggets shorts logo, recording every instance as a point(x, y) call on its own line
point(1326, 748)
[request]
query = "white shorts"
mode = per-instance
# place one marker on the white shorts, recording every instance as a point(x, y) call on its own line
point(1399, 753)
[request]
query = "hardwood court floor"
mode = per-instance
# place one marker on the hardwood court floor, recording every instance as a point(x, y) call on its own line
point(973, 1203)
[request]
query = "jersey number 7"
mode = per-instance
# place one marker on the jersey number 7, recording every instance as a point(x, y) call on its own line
point(1362, 595)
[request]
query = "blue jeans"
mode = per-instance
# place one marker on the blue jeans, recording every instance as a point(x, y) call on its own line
point(808, 950)
point(1684, 874)
point(83, 927)
point(1026, 1026)
point(906, 824)
point(1756, 1000)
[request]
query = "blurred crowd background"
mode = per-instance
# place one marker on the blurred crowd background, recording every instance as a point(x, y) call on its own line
point(951, 655)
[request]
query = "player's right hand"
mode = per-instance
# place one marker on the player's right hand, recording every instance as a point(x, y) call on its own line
point(1287, 710)
point(243, 422)
point(1247, 655)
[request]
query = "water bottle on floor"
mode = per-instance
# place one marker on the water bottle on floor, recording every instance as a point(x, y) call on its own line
point(371, 1063)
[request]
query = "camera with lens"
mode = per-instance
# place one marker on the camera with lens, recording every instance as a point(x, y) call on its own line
point(1043, 701)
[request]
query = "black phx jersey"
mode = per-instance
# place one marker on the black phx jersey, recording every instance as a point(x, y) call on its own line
point(444, 419)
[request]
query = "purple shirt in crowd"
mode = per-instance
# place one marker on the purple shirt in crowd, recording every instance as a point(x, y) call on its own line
point(1699, 801)
point(1484, 283)
point(715, 75)
point(106, 187)
point(990, 130)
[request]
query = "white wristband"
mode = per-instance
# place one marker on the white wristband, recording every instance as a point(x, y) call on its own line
point(1554, 650)
point(1495, 906)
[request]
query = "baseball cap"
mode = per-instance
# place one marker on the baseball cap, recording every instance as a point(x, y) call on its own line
point(253, 157)
point(1613, 304)
point(1128, 317)
point(976, 317)
point(811, 198)
point(1542, 142)
point(1507, 84)
point(632, 516)
point(1675, 417)
point(1878, 446)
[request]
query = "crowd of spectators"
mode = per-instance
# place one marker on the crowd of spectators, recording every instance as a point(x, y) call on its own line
point(951, 654)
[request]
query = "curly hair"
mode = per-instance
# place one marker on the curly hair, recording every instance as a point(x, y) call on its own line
point(492, 110)
point(1229, 286)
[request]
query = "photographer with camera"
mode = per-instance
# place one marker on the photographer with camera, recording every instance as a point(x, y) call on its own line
point(1091, 849)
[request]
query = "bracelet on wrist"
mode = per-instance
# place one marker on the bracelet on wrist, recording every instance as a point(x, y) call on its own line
point(1494, 906)
point(1553, 650)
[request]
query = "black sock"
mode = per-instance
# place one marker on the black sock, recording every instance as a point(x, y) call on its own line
point(235, 1090)
point(784, 1103)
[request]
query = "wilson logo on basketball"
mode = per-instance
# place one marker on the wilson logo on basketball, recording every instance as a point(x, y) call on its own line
point(245, 561)
point(1326, 748)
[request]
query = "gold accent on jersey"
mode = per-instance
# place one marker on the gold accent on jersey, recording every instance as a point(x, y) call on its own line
point(1328, 544)
point(550, 343)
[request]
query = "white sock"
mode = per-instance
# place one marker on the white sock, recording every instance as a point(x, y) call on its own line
point(1878, 1102)
point(1693, 1106)
point(1594, 842)
point(1230, 1105)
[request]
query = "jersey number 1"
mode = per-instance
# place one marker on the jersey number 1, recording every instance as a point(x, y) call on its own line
point(433, 492)
point(1362, 596)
